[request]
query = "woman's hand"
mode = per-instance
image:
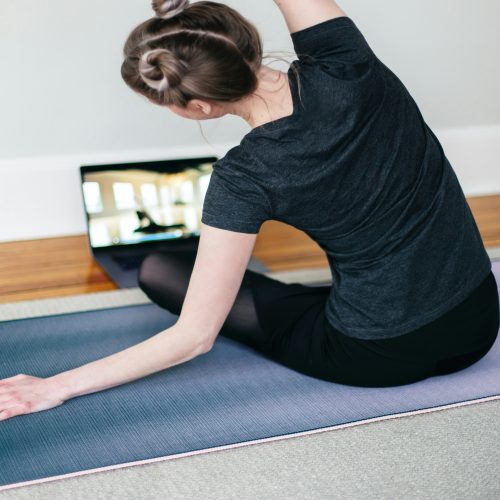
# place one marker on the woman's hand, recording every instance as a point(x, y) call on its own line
point(26, 394)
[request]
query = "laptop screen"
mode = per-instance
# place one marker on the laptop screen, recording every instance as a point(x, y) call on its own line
point(135, 203)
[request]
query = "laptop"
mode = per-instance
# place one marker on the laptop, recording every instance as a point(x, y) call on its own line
point(137, 209)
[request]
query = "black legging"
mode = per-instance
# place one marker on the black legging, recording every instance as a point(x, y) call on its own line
point(164, 278)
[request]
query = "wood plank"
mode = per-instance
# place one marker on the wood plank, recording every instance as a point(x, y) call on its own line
point(57, 267)
point(51, 267)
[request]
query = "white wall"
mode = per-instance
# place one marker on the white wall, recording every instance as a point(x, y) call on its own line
point(62, 100)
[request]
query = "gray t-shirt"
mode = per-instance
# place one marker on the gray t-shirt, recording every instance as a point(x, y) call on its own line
point(357, 168)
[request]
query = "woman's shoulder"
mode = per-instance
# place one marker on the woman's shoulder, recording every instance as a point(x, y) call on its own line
point(235, 155)
point(255, 160)
point(239, 162)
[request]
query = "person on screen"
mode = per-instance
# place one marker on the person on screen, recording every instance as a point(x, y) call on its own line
point(148, 225)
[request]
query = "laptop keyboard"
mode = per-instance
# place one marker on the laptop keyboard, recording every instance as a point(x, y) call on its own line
point(129, 262)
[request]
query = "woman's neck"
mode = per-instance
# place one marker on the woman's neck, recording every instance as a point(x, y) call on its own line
point(271, 100)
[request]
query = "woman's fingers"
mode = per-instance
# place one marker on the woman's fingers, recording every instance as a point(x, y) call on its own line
point(24, 394)
point(14, 411)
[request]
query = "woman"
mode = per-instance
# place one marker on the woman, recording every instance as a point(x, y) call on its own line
point(338, 149)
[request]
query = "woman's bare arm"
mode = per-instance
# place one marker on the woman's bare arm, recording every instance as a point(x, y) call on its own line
point(218, 270)
point(220, 264)
point(301, 14)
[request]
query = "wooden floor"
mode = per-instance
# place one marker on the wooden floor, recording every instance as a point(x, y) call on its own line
point(63, 266)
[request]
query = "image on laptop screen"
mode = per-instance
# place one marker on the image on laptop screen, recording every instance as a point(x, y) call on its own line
point(144, 202)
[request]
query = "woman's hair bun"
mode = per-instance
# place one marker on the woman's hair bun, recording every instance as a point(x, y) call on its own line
point(161, 70)
point(169, 8)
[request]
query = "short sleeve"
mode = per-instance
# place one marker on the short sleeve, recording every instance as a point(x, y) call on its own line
point(337, 40)
point(234, 200)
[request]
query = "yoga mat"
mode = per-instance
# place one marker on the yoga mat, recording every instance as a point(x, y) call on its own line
point(230, 397)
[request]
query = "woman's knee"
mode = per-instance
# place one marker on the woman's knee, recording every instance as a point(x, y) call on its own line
point(148, 275)
point(164, 279)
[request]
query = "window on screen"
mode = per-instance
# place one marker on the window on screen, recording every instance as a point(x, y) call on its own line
point(93, 199)
point(124, 195)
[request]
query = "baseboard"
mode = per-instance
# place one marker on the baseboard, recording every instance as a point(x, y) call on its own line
point(42, 195)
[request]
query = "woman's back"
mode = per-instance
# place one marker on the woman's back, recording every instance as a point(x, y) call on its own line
point(357, 168)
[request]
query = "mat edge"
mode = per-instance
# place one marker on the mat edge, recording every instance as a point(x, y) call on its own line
point(243, 444)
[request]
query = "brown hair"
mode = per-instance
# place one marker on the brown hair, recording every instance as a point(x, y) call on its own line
point(205, 50)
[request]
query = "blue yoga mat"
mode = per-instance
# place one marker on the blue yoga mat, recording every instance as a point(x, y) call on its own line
point(228, 397)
